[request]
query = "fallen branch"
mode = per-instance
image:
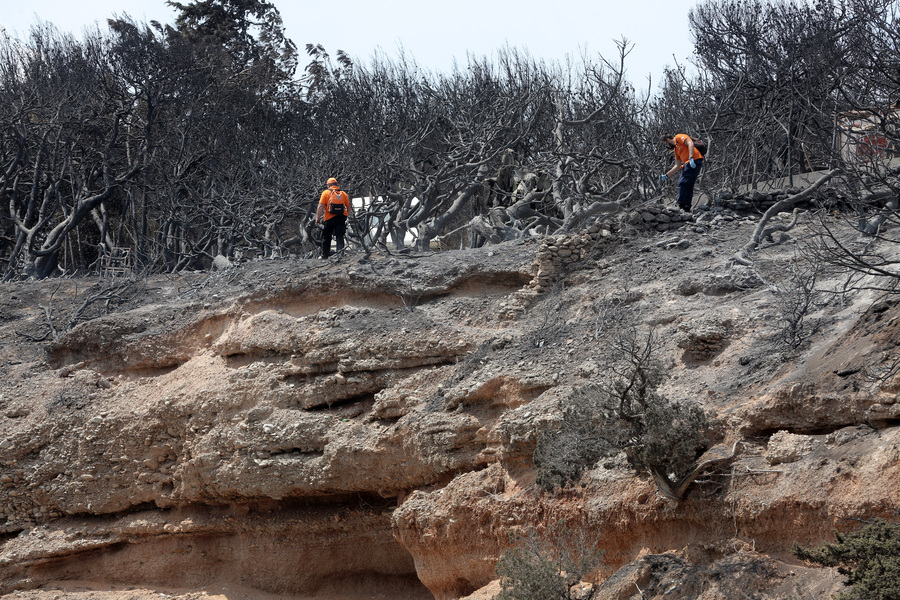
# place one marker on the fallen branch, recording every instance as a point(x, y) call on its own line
point(31, 338)
point(106, 296)
point(767, 233)
point(640, 591)
point(743, 255)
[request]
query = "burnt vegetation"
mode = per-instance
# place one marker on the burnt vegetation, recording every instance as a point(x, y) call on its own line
point(211, 138)
point(546, 564)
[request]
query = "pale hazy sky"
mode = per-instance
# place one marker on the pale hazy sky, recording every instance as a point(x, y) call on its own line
point(433, 33)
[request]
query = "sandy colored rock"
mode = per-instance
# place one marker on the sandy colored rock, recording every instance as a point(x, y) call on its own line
point(293, 429)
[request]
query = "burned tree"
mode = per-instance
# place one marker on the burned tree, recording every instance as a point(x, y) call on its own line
point(65, 141)
point(625, 413)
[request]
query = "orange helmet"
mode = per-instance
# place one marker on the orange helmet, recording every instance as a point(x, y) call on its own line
point(331, 181)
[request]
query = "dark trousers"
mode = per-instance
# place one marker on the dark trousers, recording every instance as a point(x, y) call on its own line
point(335, 227)
point(686, 184)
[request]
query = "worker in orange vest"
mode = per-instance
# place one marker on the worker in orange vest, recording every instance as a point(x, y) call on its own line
point(332, 212)
point(689, 161)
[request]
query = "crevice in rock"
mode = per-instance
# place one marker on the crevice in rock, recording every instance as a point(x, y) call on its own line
point(296, 453)
point(298, 378)
point(883, 423)
point(149, 512)
point(309, 372)
point(243, 359)
point(25, 525)
point(823, 430)
point(363, 402)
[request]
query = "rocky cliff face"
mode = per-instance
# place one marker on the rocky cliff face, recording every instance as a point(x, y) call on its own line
point(365, 427)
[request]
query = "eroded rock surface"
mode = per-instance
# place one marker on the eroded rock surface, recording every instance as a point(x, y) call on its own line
point(301, 429)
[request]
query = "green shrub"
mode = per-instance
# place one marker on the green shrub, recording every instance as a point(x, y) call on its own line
point(869, 557)
point(624, 413)
point(562, 456)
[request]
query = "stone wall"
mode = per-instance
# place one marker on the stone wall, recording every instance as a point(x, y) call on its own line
point(657, 218)
point(554, 256)
point(758, 202)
